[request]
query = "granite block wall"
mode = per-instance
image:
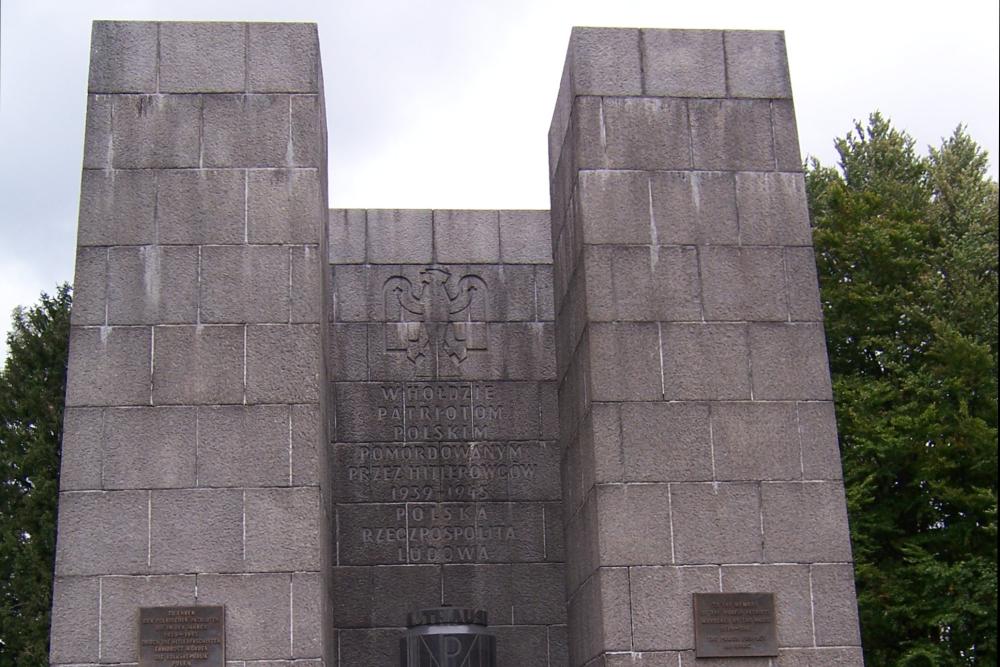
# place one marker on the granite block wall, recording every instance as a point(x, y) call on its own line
point(195, 422)
point(325, 419)
point(695, 408)
point(444, 443)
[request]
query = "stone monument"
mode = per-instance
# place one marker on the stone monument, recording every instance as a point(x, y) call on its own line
point(609, 426)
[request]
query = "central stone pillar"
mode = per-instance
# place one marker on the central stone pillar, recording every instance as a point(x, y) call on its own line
point(696, 415)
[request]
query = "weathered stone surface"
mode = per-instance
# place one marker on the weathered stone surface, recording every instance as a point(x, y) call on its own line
point(642, 283)
point(399, 236)
point(283, 206)
point(283, 363)
point(706, 511)
point(246, 130)
point(148, 448)
point(805, 522)
point(756, 64)
point(202, 57)
point(683, 63)
point(696, 207)
point(198, 365)
point(789, 362)
point(117, 208)
point(152, 285)
point(201, 206)
point(818, 431)
point(646, 133)
point(625, 361)
point(102, 532)
point(627, 511)
point(80, 461)
point(156, 131)
point(524, 237)
point(772, 209)
point(283, 57)
point(615, 206)
point(605, 61)
point(705, 361)
point(123, 57)
point(467, 237)
point(666, 442)
point(108, 366)
point(97, 136)
point(743, 284)
point(230, 436)
point(792, 592)
point(121, 598)
point(253, 630)
point(731, 135)
point(75, 627)
point(282, 529)
point(754, 441)
point(659, 618)
point(196, 530)
point(245, 283)
point(347, 235)
point(308, 592)
point(835, 606)
point(90, 287)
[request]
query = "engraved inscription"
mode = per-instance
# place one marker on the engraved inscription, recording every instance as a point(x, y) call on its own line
point(440, 411)
point(439, 471)
point(182, 637)
point(438, 318)
point(734, 625)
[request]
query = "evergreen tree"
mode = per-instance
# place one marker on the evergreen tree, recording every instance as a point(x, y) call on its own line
point(906, 249)
point(32, 388)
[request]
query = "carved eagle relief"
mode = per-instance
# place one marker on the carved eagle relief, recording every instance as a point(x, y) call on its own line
point(434, 313)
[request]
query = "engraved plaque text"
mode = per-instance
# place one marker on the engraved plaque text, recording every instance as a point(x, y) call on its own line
point(734, 625)
point(182, 636)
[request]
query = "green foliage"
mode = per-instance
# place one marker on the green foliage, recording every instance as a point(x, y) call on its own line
point(906, 248)
point(32, 386)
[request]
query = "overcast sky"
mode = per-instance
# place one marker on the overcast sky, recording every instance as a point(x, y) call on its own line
point(446, 103)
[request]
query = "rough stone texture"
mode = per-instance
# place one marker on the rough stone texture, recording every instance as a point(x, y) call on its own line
point(123, 57)
point(575, 439)
point(230, 436)
point(201, 206)
point(731, 134)
point(194, 461)
point(102, 533)
point(397, 236)
point(117, 208)
point(281, 206)
point(471, 237)
point(282, 57)
point(646, 133)
point(121, 598)
point(659, 623)
point(152, 285)
point(198, 365)
point(246, 130)
point(683, 63)
point(202, 57)
point(148, 448)
point(156, 131)
point(108, 366)
point(757, 64)
point(75, 620)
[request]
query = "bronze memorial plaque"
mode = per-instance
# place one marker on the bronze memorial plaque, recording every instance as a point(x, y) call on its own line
point(182, 637)
point(730, 625)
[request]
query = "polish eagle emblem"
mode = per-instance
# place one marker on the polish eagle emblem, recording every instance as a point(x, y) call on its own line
point(437, 315)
